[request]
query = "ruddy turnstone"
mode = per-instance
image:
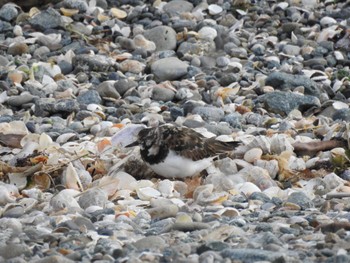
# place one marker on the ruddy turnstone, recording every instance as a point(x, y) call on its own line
point(178, 152)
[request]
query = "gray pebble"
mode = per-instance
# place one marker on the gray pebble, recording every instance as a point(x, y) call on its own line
point(8, 12)
point(169, 69)
point(300, 199)
point(107, 89)
point(88, 97)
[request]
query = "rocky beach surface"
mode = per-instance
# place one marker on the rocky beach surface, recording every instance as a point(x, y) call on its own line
point(77, 78)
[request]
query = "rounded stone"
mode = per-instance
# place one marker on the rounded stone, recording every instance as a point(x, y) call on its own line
point(8, 12)
point(18, 49)
point(164, 37)
point(169, 69)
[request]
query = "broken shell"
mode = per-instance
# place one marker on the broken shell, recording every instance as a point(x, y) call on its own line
point(247, 188)
point(261, 142)
point(228, 212)
point(280, 143)
point(270, 166)
point(147, 193)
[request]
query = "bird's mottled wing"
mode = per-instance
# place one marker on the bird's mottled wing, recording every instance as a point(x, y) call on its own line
point(193, 145)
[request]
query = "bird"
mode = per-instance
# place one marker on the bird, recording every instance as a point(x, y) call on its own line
point(178, 152)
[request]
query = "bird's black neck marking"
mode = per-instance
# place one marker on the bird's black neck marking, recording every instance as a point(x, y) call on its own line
point(154, 159)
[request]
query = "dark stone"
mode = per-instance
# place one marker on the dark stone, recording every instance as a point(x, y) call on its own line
point(46, 19)
point(88, 97)
point(284, 102)
point(284, 81)
point(301, 200)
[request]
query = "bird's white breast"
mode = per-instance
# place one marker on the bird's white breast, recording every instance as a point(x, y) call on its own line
point(177, 166)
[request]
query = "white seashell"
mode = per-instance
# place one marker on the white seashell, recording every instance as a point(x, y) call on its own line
point(125, 181)
point(166, 188)
point(94, 107)
point(228, 212)
point(253, 155)
point(18, 180)
point(261, 142)
point(327, 21)
point(71, 178)
point(270, 166)
point(63, 138)
point(280, 143)
point(64, 200)
point(214, 9)
point(28, 203)
point(27, 150)
point(8, 193)
point(247, 188)
point(13, 127)
point(329, 33)
point(147, 193)
point(127, 135)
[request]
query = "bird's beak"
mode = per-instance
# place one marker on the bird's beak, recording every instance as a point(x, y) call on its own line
point(135, 143)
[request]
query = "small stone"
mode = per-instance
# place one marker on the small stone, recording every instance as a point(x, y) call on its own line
point(291, 50)
point(162, 94)
point(54, 259)
point(17, 101)
point(169, 69)
point(66, 105)
point(300, 199)
point(150, 243)
point(81, 5)
point(209, 113)
point(141, 42)
point(214, 9)
point(8, 251)
point(207, 33)
point(178, 7)
point(132, 66)
point(41, 51)
point(65, 67)
point(252, 255)
point(99, 63)
point(46, 19)
point(107, 89)
point(93, 197)
point(162, 212)
point(8, 12)
point(18, 49)
point(89, 97)
point(284, 102)
point(285, 81)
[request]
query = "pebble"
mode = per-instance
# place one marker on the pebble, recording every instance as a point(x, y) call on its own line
point(169, 69)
